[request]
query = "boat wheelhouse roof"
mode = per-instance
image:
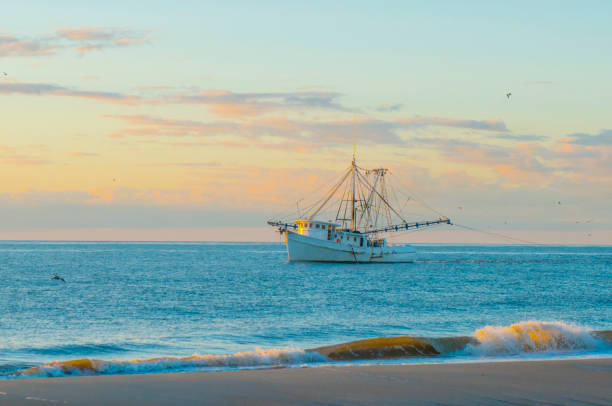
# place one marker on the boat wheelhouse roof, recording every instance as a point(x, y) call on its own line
point(329, 223)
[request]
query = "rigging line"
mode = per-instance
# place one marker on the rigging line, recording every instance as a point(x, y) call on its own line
point(368, 202)
point(398, 234)
point(385, 193)
point(330, 191)
point(344, 192)
point(392, 191)
point(286, 214)
point(362, 203)
point(385, 201)
point(498, 235)
point(423, 202)
point(329, 196)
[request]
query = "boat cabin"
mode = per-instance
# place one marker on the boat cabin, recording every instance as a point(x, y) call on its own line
point(325, 230)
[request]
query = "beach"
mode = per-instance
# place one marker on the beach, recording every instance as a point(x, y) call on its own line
point(555, 382)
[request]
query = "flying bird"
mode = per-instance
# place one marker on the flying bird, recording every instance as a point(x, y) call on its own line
point(59, 278)
point(508, 95)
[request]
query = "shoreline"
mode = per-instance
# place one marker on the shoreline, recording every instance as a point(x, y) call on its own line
point(573, 381)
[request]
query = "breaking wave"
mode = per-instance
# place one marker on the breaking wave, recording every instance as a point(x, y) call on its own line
point(535, 336)
point(258, 358)
point(491, 341)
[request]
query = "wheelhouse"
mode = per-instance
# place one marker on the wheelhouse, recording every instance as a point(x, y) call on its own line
point(326, 230)
point(322, 230)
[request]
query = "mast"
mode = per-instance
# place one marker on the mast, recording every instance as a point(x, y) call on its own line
point(353, 223)
point(353, 220)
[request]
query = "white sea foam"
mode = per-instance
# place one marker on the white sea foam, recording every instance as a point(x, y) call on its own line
point(533, 336)
point(251, 359)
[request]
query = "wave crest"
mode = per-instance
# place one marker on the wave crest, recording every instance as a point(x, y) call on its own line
point(257, 358)
point(532, 336)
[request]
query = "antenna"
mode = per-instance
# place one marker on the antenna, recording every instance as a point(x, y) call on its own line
point(354, 135)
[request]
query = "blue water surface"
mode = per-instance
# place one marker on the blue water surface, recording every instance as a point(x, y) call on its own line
point(139, 300)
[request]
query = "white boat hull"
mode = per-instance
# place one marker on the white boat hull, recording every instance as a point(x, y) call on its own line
point(303, 248)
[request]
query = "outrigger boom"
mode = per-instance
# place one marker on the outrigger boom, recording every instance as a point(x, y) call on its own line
point(392, 228)
point(408, 226)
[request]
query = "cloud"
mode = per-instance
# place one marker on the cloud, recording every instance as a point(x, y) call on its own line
point(39, 89)
point(603, 138)
point(144, 125)
point(282, 133)
point(80, 39)
point(517, 137)
point(11, 46)
point(23, 160)
point(521, 164)
point(187, 164)
point(231, 104)
point(13, 156)
point(488, 124)
point(389, 107)
point(85, 154)
point(222, 103)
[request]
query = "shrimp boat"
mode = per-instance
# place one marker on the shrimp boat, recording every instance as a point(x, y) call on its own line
point(363, 215)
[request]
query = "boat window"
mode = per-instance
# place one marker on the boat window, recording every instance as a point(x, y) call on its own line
point(323, 227)
point(317, 226)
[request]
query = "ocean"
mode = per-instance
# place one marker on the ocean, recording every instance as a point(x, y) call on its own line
point(175, 307)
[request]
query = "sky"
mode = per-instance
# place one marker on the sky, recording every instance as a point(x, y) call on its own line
point(126, 120)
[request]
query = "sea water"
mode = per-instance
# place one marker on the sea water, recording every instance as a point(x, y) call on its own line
point(199, 306)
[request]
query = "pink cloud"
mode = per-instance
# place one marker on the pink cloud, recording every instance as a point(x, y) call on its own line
point(81, 39)
point(11, 46)
point(86, 33)
point(98, 38)
point(85, 154)
point(237, 110)
point(24, 160)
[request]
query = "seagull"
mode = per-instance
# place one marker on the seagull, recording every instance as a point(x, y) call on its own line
point(508, 95)
point(59, 278)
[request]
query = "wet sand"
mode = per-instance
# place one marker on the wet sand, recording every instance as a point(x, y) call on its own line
point(559, 382)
